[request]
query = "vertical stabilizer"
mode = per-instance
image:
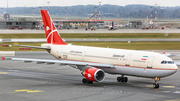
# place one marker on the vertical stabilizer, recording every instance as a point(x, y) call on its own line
point(52, 34)
point(112, 24)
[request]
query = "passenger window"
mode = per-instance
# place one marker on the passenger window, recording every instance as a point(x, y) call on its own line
point(165, 62)
point(162, 62)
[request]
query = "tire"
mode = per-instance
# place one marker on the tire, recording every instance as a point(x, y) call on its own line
point(125, 79)
point(88, 82)
point(84, 80)
point(119, 79)
point(91, 82)
point(155, 85)
point(122, 79)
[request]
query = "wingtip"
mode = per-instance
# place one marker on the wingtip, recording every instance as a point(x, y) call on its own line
point(3, 58)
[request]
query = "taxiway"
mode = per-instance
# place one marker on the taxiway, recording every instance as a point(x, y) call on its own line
point(97, 40)
point(39, 82)
point(3, 31)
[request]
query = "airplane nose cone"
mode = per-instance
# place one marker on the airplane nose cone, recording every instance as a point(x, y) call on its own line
point(175, 68)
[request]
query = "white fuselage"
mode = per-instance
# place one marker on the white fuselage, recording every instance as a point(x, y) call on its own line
point(126, 62)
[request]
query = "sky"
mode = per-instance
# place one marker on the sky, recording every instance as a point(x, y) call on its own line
point(37, 3)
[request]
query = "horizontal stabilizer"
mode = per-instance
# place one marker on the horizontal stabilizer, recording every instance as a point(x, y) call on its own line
point(6, 58)
point(46, 48)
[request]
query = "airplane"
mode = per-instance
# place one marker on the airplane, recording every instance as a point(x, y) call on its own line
point(113, 27)
point(94, 62)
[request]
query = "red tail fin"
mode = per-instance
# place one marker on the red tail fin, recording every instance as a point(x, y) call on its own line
point(52, 34)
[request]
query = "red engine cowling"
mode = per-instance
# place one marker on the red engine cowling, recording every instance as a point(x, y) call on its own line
point(94, 74)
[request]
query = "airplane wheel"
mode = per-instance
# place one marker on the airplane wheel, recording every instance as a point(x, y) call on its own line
point(91, 82)
point(125, 79)
point(119, 79)
point(88, 82)
point(122, 79)
point(84, 80)
point(155, 85)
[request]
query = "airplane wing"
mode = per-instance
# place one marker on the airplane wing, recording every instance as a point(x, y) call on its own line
point(75, 64)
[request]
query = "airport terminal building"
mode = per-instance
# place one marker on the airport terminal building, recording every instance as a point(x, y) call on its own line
point(58, 24)
point(71, 24)
point(77, 24)
point(16, 24)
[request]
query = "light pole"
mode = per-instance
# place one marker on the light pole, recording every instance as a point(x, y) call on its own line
point(48, 5)
point(1, 14)
point(7, 10)
point(99, 11)
point(25, 11)
point(66, 14)
point(40, 14)
point(156, 14)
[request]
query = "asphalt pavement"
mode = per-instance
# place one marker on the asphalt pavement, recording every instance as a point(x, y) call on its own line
point(39, 82)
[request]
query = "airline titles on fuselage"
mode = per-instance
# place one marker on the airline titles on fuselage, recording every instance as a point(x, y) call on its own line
point(142, 61)
point(120, 56)
point(78, 52)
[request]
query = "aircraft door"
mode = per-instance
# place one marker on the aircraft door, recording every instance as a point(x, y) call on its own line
point(150, 62)
point(128, 60)
point(59, 52)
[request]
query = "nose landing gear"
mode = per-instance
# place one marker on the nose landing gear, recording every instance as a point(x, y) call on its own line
point(156, 85)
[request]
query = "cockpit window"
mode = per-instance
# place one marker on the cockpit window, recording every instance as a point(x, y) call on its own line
point(167, 62)
point(162, 62)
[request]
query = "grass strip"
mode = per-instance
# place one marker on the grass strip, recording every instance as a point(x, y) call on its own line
point(96, 35)
point(118, 45)
point(134, 45)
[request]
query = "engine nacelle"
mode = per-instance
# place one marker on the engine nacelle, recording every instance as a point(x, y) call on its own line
point(94, 74)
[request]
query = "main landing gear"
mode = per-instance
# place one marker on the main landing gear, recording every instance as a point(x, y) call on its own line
point(85, 81)
point(156, 85)
point(122, 79)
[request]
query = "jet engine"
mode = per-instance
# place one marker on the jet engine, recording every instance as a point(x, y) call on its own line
point(94, 74)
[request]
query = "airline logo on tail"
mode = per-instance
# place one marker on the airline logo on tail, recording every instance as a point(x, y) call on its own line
point(52, 34)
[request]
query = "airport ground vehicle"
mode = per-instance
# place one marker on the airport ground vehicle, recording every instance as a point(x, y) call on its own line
point(20, 28)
